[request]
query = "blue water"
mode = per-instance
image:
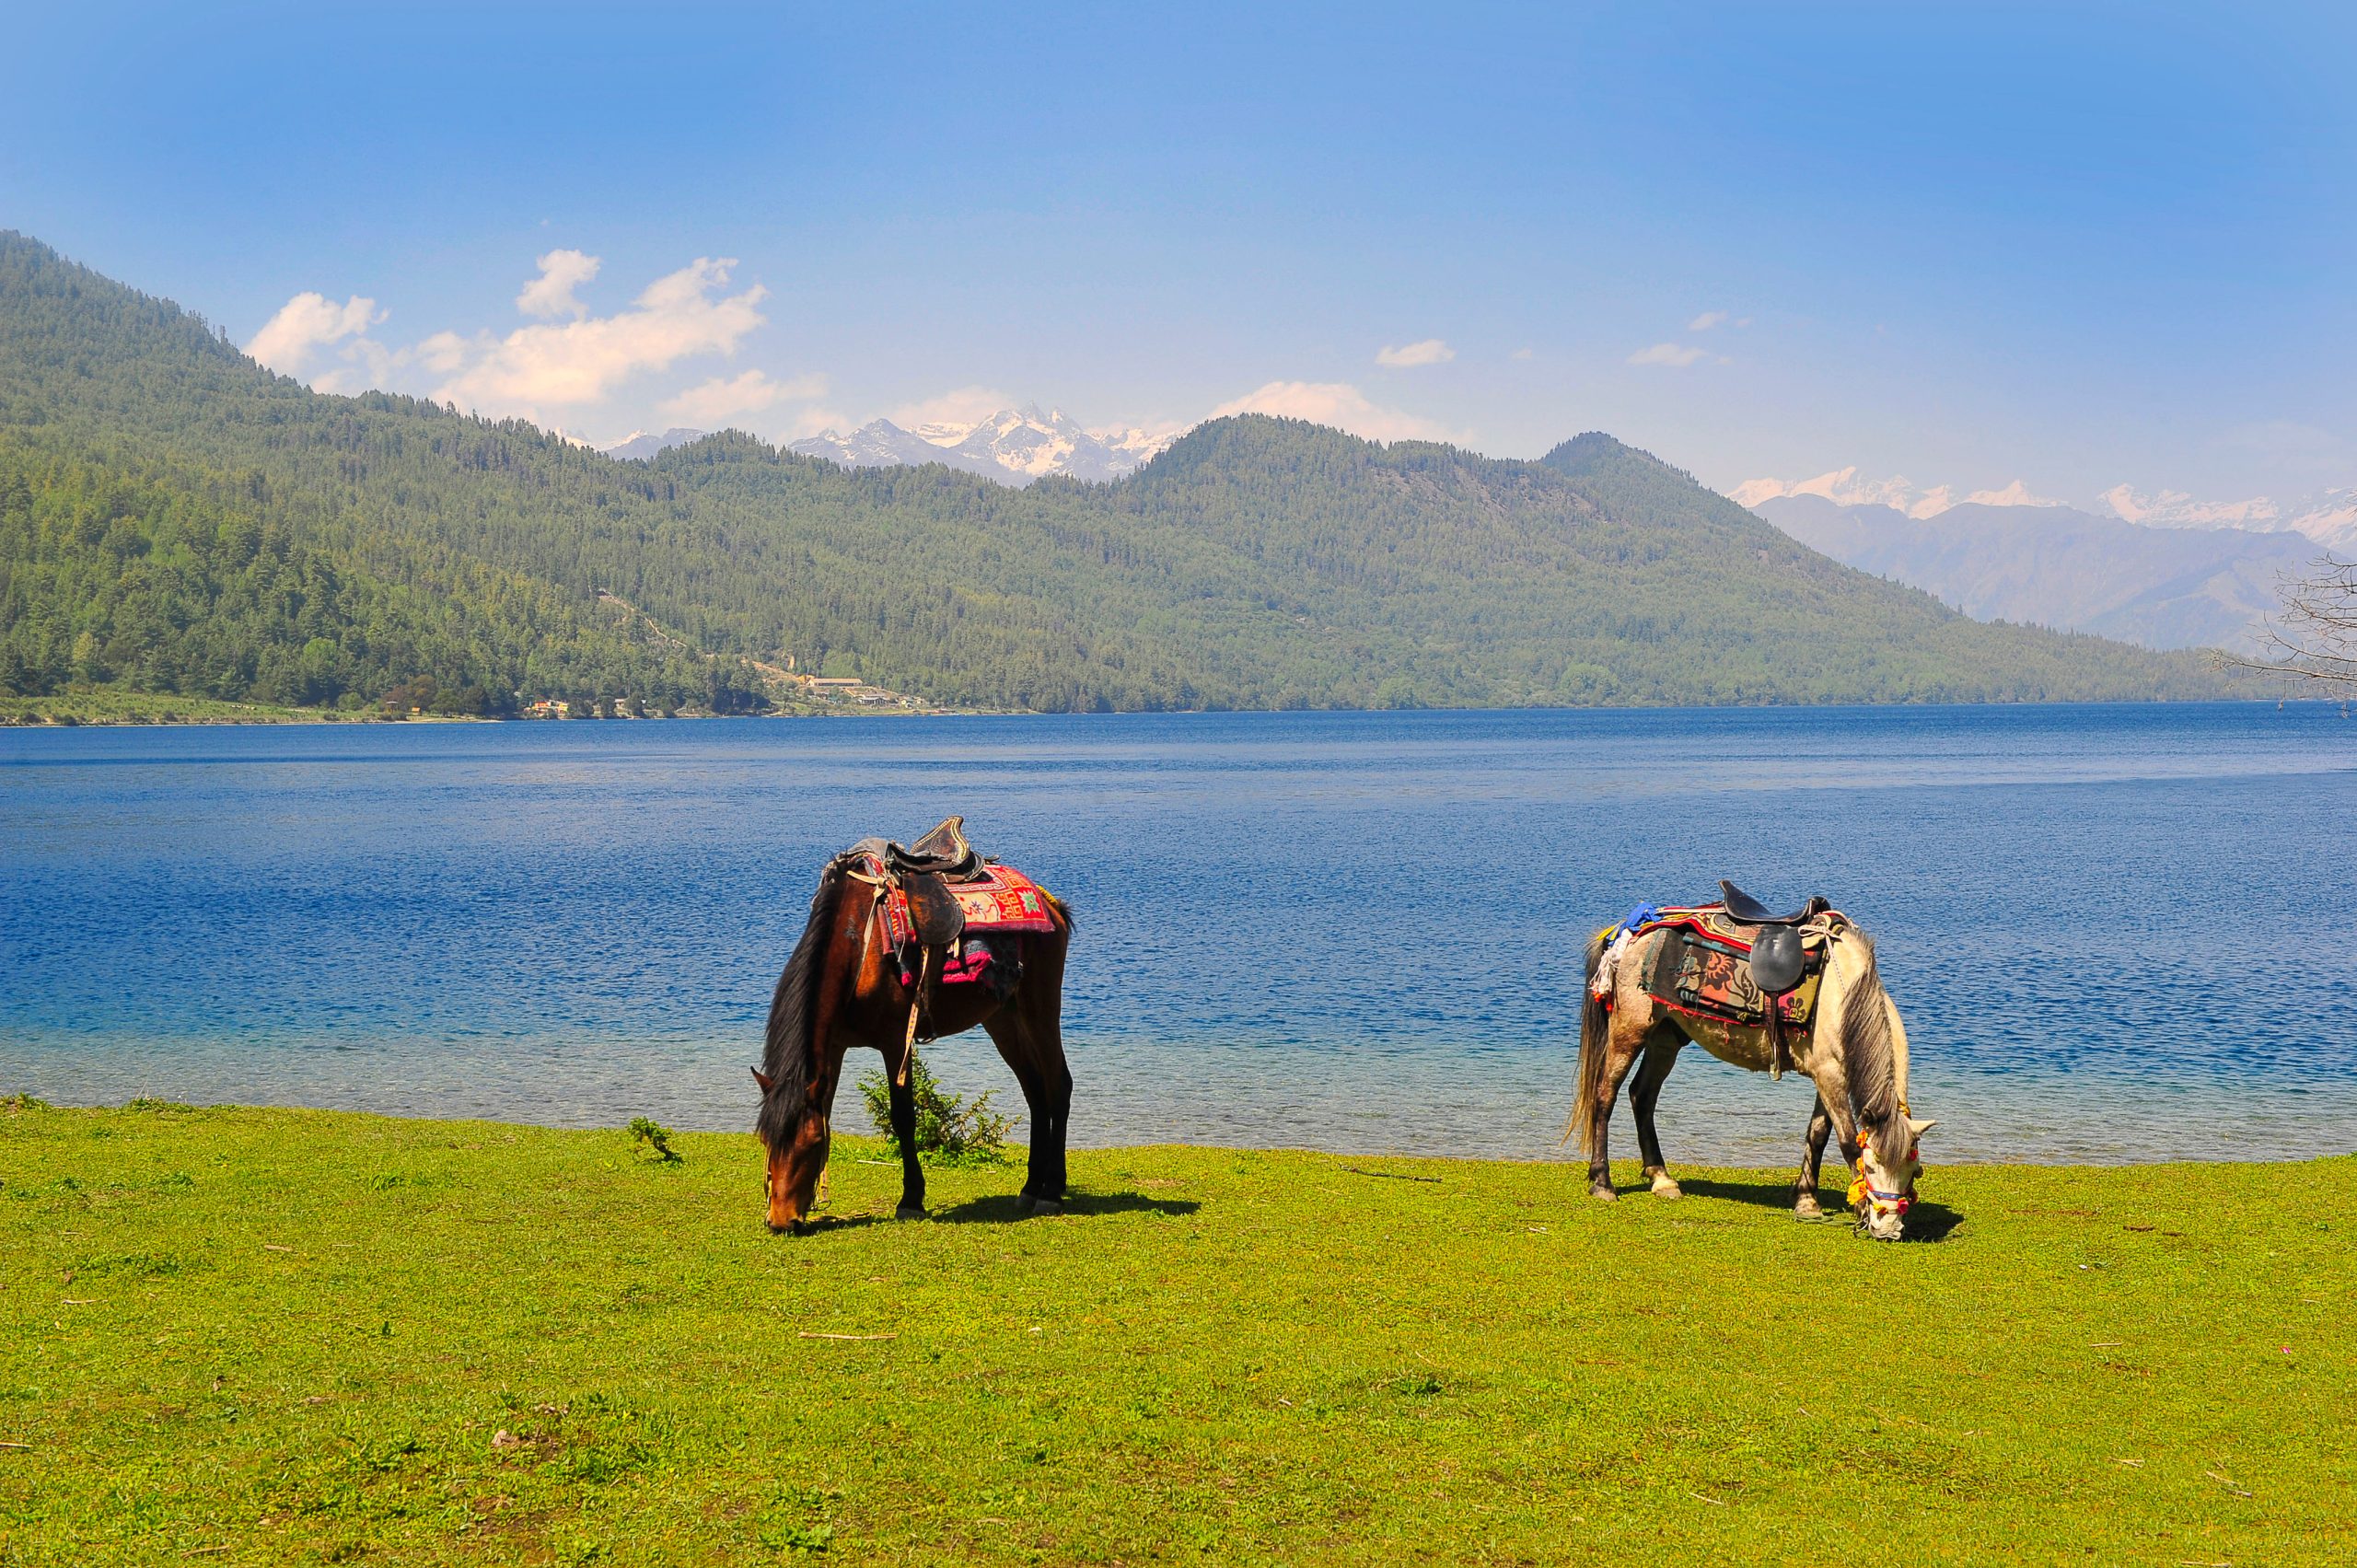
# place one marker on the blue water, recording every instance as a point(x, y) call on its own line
point(2116, 933)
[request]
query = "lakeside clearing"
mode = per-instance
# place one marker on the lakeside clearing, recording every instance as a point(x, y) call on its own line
point(270, 1336)
point(113, 707)
point(117, 707)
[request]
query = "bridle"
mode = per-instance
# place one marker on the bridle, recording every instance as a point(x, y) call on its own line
point(1894, 1202)
point(1862, 1191)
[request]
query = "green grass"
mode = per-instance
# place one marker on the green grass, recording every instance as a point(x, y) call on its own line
point(271, 1336)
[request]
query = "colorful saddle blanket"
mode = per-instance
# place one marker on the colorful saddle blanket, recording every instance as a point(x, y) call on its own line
point(1705, 968)
point(998, 901)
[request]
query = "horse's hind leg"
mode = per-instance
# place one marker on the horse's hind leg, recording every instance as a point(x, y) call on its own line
point(1820, 1127)
point(1661, 1054)
point(1621, 1043)
point(1029, 1034)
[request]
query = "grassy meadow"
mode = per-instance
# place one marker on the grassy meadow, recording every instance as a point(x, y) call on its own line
point(239, 1336)
point(112, 705)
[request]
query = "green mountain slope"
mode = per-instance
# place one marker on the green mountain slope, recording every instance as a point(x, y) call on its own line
point(1259, 562)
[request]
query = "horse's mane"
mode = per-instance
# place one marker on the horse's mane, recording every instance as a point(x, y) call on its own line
point(1873, 1043)
point(786, 1056)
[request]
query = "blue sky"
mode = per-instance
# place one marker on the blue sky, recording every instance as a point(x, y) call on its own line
point(2073, 245)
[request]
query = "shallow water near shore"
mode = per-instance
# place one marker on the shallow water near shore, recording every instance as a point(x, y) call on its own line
point(2118, 933)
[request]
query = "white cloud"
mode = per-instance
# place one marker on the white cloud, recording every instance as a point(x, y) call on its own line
point(813, 421)
point(1678, 356)
point(442, 353)
point(1525, 354)
point(308, 322)
point(965, 406)
point(1430, 351)
point(366, 363)
point(2288, 444)
point(552, 294)
point(1338, 404)
point(720, 400)
point(1706, 320)
point(679, 316)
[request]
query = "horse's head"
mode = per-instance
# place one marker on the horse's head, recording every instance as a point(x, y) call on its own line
point(1888, 1161)
point(796, 1137)
point(1862, 1026)
point(797, 1087)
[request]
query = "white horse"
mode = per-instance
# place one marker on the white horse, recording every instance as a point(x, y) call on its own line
point(1853, 1048)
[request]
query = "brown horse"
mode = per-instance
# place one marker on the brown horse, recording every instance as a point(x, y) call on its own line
point(1855, 1050)
point(840, 991)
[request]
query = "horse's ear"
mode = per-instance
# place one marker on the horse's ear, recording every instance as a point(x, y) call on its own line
point(763, 1079)
point(1919, 1128)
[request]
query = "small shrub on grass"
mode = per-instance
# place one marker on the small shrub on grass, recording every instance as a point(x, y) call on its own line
point(652, 1138)
point(949, 1130)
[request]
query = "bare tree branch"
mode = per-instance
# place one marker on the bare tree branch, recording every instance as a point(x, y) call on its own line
point(2315, 636)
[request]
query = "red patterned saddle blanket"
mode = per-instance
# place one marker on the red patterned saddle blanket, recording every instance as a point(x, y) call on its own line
point(1705, 968)
point(998, 901)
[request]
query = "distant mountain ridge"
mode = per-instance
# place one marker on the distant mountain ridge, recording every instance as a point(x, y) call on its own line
point(2328, 517)
point(1013, 446)
point(176, 517)
point(2050, 566)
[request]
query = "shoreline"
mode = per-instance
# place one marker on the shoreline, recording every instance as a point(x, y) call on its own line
point(156, 712)
point(1564, 1159)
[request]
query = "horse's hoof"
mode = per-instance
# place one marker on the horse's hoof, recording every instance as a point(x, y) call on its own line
point(910, 1212)
point(1665, 1188)
point(1806, 1209)
point(1603, 1194)
point(1041, 1207)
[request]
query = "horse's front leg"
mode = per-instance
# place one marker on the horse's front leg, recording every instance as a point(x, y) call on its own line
point(904, 1132)
point(1661, 1055)
point(1820, 1126)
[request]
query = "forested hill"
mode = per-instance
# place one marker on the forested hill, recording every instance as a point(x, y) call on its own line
point(174, 515)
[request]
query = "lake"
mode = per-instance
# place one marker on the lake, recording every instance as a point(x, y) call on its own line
point(2118, 933)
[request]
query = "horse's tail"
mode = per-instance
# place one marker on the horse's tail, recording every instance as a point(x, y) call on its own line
point(786, 1052)
point(1596, 1023)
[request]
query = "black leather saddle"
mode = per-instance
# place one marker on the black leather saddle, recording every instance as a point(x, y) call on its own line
point(1745, 910)
point(925, 870)
point(1779, 958)
point(941, 853)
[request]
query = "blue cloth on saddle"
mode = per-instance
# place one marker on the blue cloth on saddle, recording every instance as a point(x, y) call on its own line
point(1638, 916)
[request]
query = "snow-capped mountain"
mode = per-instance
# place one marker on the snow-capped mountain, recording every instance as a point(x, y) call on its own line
point(640, 444)
point(1845, 487)
point(2328, 517)
point(1013, 446)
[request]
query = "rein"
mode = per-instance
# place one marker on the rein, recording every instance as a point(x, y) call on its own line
point(884, 885)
